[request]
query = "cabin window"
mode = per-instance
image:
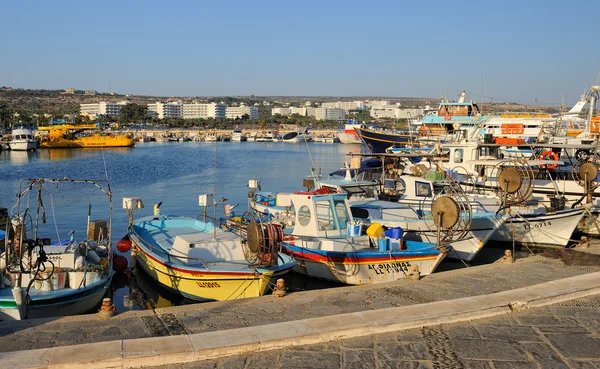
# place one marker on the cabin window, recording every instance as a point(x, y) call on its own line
point(325, 215)
point(304, 215)
point(342, 213)
point(458, 155)
point(422, 189)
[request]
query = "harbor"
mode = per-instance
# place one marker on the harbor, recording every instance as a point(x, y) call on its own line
point(267, 185)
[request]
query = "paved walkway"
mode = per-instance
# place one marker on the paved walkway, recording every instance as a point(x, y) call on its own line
point(565, 335)
point(197, 318)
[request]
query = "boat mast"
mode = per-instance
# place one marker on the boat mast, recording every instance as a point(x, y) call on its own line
point(593, 94)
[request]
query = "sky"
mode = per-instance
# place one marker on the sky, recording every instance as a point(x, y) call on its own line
point(521, 51)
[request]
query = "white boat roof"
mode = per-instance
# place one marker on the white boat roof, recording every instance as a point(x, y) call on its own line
point(378, 204)
point(338, 182)
point(549, 146)
point(529, 162)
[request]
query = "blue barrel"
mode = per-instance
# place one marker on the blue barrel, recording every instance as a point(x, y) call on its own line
point(383, 244)
point(396, 233)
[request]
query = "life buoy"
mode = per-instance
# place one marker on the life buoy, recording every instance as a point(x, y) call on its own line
point(112, 135)
point(551, 155)
point(447, 117)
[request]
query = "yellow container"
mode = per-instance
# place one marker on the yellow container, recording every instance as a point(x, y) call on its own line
point(375, 230)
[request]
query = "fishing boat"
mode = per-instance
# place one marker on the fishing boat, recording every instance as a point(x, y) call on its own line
point(298, 136)
point(82, 136)
point(21, 139)
point(41, 278)
point(201, 261)
point(348, 135)
point(211, 137)
point(328, 244)
point(238, 136)
point(266, 136)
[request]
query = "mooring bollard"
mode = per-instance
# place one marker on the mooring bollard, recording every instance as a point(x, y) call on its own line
point(279, 289)
point(107, 309)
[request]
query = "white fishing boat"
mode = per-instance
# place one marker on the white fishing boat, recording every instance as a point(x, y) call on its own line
point(327, 244)
point(238, 136)
point(298, 136)
point(22, 139)
point(349, 135)
point(41, 278)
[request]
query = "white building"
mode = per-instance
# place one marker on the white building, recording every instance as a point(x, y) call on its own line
point(211, 110)
point(168, 110)
point(233, 112)
point(102, 108)
point(281, 111)
point(395, 112)
point(289, 111)
point(330, 114)
point(346, 105)
point(380, 104)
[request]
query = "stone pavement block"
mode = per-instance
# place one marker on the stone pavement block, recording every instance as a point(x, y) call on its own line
point(405, 336)
point(266, 359)
point(549, 329)
point(576, 345)
point(405, 365)
point(388, 351)
point(508, 333)
point(365, 342)
point(299, 360)
point(515, 365)
point(584, 364)
point(211, 344)
point(284, 334)
point(461, 331)
point(25, 359)
point(153, 346)
point(575, 311)
point(547, 320)
point(487, 349)
point(232, 362)
point(333, 327)
point(543, 354)
point(475, 364)
point(358, 359)
point(89, 355)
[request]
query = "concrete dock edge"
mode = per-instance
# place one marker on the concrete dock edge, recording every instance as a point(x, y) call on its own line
point(154, 351)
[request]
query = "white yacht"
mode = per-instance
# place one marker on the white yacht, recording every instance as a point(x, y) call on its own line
point(238, 136)
point(22, 140)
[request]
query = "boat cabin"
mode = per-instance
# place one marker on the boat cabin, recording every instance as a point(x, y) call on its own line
point(325, 216)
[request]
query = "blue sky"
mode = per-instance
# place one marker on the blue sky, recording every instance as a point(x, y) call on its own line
point(522, 50)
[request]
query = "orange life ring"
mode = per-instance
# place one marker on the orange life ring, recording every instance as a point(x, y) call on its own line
point(447, 117)
point(548, 154)
point(112, 135)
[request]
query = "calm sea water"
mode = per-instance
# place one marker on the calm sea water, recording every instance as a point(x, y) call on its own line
point(174, 173)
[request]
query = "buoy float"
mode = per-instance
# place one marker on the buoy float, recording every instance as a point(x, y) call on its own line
point(119, 263)
point(551, 155)
point(124, 244)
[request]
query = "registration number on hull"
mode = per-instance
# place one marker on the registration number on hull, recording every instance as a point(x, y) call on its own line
point(387, 268)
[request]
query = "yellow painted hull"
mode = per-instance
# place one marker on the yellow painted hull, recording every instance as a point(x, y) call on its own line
point(90, 142)
point(206, 286)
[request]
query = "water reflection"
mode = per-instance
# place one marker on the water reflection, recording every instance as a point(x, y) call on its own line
point(20, 157)
point(65, 154)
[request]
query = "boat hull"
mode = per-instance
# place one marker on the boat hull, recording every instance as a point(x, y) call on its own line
point(466, 248)
point(378, 142)
point(360, 267)
point(348, 138)
point(90, 142)
point(551, 229)
point(203, 285)
point(72, 302)
point(23, 145)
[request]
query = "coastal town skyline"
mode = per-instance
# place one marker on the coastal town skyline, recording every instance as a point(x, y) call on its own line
point(536, 55)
